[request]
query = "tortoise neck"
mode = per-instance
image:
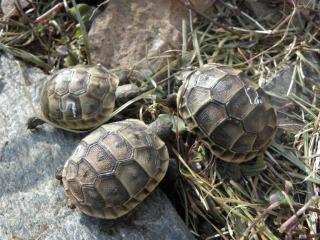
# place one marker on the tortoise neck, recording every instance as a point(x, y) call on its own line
point(161, 127)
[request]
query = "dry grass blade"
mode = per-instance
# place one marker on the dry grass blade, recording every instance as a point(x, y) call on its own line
point(83, 32)
point(24, 55)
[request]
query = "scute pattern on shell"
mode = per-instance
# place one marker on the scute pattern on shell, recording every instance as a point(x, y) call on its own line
point(231, 112)
point(114, 168)
point(80, 97)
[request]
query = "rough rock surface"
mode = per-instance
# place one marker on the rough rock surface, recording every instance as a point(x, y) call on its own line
point(9, 9)
point(264, 9)
point(280, 84)
point(32, 203)
point(271, 10)
point(128, 31)
point(311, 67)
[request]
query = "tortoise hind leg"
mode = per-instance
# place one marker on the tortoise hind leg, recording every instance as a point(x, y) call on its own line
point(33, 122)
point(58, 176)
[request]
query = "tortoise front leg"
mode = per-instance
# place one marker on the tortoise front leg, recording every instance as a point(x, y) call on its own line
point(58, 174)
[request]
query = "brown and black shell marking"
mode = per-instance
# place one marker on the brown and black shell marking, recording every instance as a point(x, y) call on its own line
point(80, 97)
point(234, 114)
point(114, 168)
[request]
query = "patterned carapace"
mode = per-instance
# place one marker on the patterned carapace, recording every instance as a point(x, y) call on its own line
point(80, 97)
point(234, 114)
point(114, 168)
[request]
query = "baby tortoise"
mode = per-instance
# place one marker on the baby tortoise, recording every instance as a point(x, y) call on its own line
point(80, 98)
point(115, 167)
point(232, 113)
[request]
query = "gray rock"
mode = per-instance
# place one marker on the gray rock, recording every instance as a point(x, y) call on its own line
point(9, 9)
point(32, 202)
point(126, 92)
point(134, 33)
point(273, 10)
point(262, 9)
point(278, 87)
point(310, 68)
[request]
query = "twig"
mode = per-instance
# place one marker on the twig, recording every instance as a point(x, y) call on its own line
point(293, 219)
point(255, 222)
point(50, 12)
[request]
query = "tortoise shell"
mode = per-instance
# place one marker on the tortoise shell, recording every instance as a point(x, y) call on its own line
point(80, 97)
point(232, 113)
point(114, 168)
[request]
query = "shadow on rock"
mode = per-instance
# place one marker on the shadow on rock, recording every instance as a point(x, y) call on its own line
point(33, 156)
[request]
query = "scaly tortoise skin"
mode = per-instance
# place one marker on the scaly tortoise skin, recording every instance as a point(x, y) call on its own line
point(80, 97)
point(232, 113)
point(114, 168)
